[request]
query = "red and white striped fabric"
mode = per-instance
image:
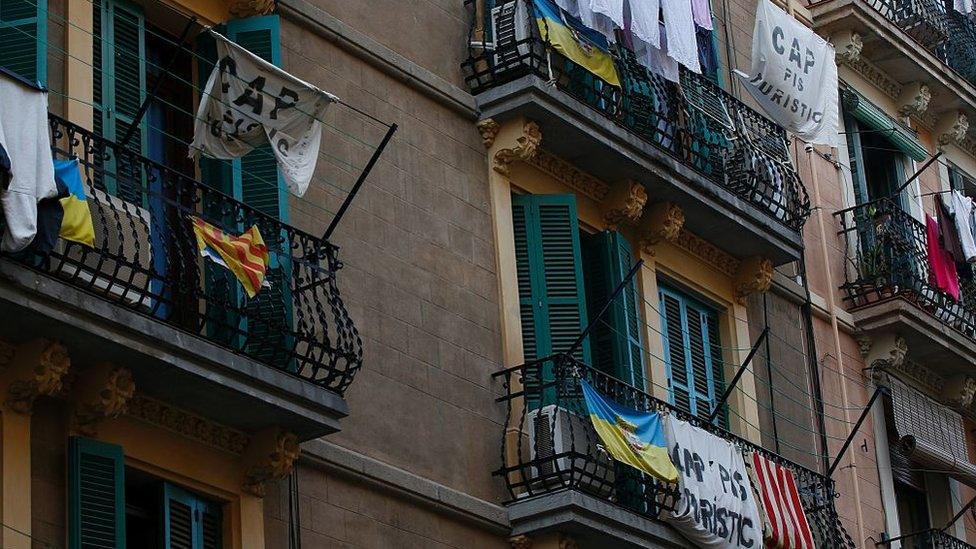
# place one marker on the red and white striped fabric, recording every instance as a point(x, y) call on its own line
point(786, 523)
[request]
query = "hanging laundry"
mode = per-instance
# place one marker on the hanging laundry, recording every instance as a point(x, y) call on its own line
point(246, 256)
point(582, 45)
point(964, 7)
point(611, 9)
point(942, 268)
point(785, 524)
point(77, 223)
point(645, 21)
point(657, 60)
point(5, 173)
point(680, 26)
point(702, 11)
point(947, 230)
point(24, 137)
point(591, 18)
point(50, 215)
point(960, 207)
point(248, 102)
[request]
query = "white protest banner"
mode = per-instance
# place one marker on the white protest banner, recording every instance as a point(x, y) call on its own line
point(717, 507)
point(248, 102)
point(793, 76)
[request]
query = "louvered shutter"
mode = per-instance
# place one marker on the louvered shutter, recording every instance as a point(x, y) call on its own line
point(96, 495)
point(23, 38)
point(552, 299)
point(675, 351)
point(189, 522)
point(120, 88)
point(616, 342)
point(258, 184)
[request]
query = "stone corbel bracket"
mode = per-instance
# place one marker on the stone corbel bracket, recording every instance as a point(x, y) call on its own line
point(754, 275)
point(102, 392)
point(251, 8)
point(522, 147)
point(848, 46)
point(520, 542)
point(913, 99)
point(662, 222)
point(270, 456)
point(488, 129)
point(958, 391)
point(37, 368)
point(952, 128)
point(883, 352)
point(624, 204)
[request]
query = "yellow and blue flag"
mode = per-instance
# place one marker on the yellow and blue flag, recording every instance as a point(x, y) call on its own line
point(76, 225)
point(632, 437)
point(579, 43)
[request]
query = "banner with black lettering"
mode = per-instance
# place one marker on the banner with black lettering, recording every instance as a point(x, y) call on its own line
point(248, 102)
point(717, 506)
point(793, 76)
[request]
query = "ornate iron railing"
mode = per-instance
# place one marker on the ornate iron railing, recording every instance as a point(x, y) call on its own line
point(145, 258)
point(549, 445)
point(887, 258)
point(928, 539)
point(695, 121)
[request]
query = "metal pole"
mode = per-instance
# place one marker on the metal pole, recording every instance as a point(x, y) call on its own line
point(850, 438)
point(603, 310)
point(918, 173)
point(152, 94)
point(742, 369)
point(359, 182)
point(960, 514)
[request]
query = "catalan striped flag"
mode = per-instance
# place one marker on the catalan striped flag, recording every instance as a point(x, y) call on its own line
point(246, 256)
point(785, 523)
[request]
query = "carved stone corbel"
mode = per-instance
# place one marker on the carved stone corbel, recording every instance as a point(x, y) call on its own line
point(958, 391)
point(952, 128)
point(102, 392)
point(270, 456)
point(913, 99)
point(755, 275)
point(624, 204)
point(488, 129)
point(37, 368)
point(567, 542)
point(251, 8)
point(520, 542)
point(524, 148)
point(662, 222)
point(848, 46)
point(885, 352)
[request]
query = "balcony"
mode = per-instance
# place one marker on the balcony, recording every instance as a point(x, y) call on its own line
point(929, 539)
point(887, 288)
point(144, 298)
point(559, 478)
point(725, 164)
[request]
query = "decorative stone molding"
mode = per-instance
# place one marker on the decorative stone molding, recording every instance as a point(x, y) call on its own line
point(754, 276)
point(958, 391)
point(876, 76)
point(662, 222)
point(524, 148)
point(270, 457)
point(707, 252)
point(520, 542)
point(102, 392)
point(952, 128)
point(923, 377)
point(567, 542)
point(488, 129)
point(250, 8)
point(848, 46)
point(569, 175)
point(624, 204)
point(913, 99)
point(189, 425)
point(886, 352)
point(37, 368)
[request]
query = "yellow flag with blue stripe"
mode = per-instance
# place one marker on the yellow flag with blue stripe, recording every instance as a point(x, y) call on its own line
point(632, 437)
point(579, 43)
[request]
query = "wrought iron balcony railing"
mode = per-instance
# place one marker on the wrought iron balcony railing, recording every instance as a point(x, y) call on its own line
point(550, 445)
point(696, 121)
point(887, 258)
point(145, 258)
point(928, 539)
point(946, 33)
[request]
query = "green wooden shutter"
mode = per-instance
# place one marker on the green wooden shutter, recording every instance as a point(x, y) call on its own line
point(96, 495)
point(616, 344)
point(120, 88)
point(23, 38)
point(189, 522)
point(552, 299)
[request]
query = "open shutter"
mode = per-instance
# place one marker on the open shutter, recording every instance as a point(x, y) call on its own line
point(552, 299)
point(675, 350)
point(96, 495)
point(23, 38)
point(189, 522)
point(616, 342)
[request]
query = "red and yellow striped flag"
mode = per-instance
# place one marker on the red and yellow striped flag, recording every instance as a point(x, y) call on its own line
point(246, 256)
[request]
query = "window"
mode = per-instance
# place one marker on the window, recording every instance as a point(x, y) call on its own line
point(23, 38)
point(114, 506)
point(961, 181)
point(692, 353)
point(876, 163)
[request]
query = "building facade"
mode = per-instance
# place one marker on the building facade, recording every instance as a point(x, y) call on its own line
point(410, 379)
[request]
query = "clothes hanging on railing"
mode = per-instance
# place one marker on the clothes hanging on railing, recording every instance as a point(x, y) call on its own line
point(785, 524)
point(948, 232)
point(5, 173)
point(24, 136)
point(645, 22)
point(76, 224)
point(942, 267)
point(960, 208)
point(702, 11)
point(679, 23)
